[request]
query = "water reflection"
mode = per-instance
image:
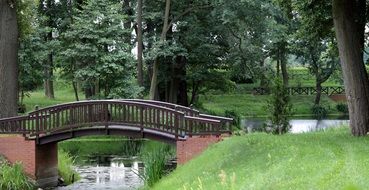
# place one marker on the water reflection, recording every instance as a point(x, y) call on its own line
point(298, 125)
point(114, 173)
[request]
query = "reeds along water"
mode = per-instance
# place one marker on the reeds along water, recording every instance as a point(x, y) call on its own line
point(13, 177)
point(155, 155)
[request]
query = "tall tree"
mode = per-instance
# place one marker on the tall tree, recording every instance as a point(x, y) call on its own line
point(139, 44)
point(46, 9)
point(102, 57)
point(314, 41)
point(349, 22)
point(8, 58)
point(163, 36)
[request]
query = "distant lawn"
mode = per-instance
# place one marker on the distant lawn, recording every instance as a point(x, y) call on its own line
point(249, 105)
point(319, 160)
point(38, 98)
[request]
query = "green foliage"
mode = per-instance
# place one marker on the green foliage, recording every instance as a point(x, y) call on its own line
point(65, 167)
point(97, 146)
point(95, 51)
point(235, 116)
point(279, 107)
point(342, 107)
point(319, 111)
point(13, 177)
point(154, 155)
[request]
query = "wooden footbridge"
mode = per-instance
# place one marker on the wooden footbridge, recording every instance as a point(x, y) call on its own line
point(40, 130)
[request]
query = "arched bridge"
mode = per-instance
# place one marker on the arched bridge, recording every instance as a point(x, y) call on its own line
point(134, 118)
point(32, 139)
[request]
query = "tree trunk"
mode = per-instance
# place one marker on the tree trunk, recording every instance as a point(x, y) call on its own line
point(263, 78)
point(178, 72)
point(194, 95)
point(89, 92)
point(8, 59)
point(49, 66)
point(155, 69)
point(49, 83)
point(284, 70)
point(128, 22)
point(349, 29)
point(139, 44)
point(182, 89)
point(318, 92)
point(75, 89)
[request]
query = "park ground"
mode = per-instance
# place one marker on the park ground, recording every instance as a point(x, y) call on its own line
point(319, 160)
point(330, 159)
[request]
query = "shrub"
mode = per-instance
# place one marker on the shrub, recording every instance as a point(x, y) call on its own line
point(343, 108)
point(279, 107)
point(235, 116)
point(319, 111)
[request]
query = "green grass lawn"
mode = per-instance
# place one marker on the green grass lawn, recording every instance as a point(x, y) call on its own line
point(248, 105)
point(38, 98)
point(320, 160)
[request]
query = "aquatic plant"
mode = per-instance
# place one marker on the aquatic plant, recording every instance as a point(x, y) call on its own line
point(13, 177)
point(155, 155)
point(65, 167)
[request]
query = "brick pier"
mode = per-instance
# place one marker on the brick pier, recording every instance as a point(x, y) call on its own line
point(40, 162)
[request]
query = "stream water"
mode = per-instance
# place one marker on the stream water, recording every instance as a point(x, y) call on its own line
point(297, 125)
point(107, 172)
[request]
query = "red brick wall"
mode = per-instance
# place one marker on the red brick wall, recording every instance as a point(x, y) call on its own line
point(193, 146)
point(39, 161)
point(17, 149)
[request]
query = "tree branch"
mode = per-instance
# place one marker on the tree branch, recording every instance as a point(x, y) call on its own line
point(188, 10)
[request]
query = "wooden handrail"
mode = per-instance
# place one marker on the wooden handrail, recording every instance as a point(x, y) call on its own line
point(143, 114)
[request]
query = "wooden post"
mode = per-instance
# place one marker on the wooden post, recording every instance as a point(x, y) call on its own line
point(142, 121)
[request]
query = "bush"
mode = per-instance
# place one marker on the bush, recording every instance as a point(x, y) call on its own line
point(13, 177)
point(235, 116)
point(343, 108)
point(280, 108)
point(319, 111)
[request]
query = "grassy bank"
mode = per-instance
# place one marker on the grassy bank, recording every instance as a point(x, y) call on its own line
point(248, 105)
point(320, 160)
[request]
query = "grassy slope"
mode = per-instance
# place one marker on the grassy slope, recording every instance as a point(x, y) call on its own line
point(38, 98)
point(321, 160)
point(249, 105)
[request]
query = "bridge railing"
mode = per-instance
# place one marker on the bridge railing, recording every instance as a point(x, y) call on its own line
point(186, 110)
point(103, 113)
point(84, 114)
point(225, 123)
point(14, 125)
